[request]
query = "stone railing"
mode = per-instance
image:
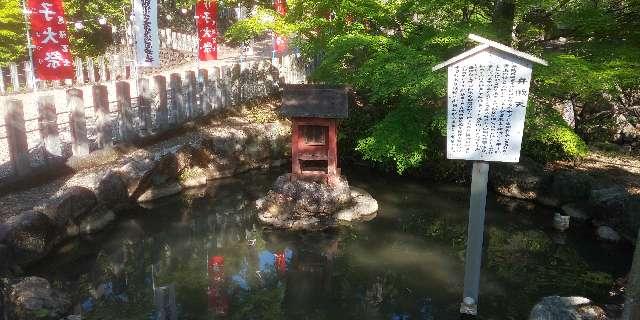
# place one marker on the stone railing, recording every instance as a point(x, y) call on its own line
point(81, 120)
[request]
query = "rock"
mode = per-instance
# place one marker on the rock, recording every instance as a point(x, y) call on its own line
point(297, 204)
point(313, 197)
point(70, 205)
point(364, 207)
point(523, 180)
point(567, 111)
point(607, 234)
point(566, 308)
point(574, 211)
point(616, 207)
point(113, 192)
point(193, 177)
point(31, 236)
point(570, 186)
point(33, 298)
point(97, 220)
point(560, 222)
point(160, 192)
point(133, 171)
point(610, 200)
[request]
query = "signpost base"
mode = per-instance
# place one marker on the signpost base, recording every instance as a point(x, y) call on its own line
point(477, 203)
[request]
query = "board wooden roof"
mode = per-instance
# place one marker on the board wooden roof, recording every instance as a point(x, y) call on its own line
point(485, 44)
point(315, 101)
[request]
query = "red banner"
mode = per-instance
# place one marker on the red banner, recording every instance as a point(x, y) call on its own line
point(207, 14)
point(52, 57)
point(280, 42)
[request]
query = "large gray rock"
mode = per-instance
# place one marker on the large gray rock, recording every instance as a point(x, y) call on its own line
point(113, 192)
point(73, 203)
point(607, 233)
point(33, 298)
point(571, 186)
point(524, 180)
point(618, 208)
point(31, 236)
point(313, 197)
point(364, 207)
point(97, 220)
point(566, 308)
point(296, 204)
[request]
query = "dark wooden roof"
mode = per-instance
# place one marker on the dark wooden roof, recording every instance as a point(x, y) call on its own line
point(315, 101)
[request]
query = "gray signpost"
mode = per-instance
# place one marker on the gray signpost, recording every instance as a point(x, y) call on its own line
point(488, 92)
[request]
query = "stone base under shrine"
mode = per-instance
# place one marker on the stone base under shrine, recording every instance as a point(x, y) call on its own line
point(300, 204)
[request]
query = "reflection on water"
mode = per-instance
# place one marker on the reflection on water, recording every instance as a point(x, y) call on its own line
point(203, 256)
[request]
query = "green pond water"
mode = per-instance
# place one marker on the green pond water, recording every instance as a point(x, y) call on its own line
point(405, 264)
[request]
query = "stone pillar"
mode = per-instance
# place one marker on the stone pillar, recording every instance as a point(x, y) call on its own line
point(77, 123)
point(104, 128)
point(17, 137)
point(190, 94)
point(204, 101)
point(160, 97)
point(126, 126)
point(177, 99)
point(145, 99)
point(48, 126)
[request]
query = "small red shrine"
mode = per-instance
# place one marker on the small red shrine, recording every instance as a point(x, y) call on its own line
point(314, 111)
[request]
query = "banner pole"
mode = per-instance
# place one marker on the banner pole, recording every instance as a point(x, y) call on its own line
point(29, 46)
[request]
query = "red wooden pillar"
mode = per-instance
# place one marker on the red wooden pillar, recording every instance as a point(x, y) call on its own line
point(332, 156)
point(295, 140)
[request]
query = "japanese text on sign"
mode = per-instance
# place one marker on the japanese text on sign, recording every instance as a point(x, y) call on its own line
point(207, 14)
point(488, 95)
point(147, 39)
point(52, 57)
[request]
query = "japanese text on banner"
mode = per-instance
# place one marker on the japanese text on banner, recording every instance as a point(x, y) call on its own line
point(280, 42)
point(146, 30)
point(52, 57)
point(207, 14)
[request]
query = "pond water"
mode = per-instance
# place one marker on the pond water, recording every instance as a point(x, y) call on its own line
point(207, 247)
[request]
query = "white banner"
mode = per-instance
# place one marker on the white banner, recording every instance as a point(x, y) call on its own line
point(146, 31)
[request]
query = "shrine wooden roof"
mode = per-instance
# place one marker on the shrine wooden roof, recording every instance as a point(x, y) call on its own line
point(315, 101)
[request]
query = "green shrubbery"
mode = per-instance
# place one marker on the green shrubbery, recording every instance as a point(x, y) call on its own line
point(406, 137)
point(547, 137)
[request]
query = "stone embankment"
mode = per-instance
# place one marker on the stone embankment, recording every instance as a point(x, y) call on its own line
point(34, 222)
point(601, 190)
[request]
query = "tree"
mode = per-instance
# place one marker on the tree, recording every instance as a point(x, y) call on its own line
point(12, 32)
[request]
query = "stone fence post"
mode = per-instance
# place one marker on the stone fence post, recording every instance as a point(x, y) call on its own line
point(177, 100)
point(126, 127)
point(77, 123)
point(104, 129)
point(17, 137)
point(48, 127)
point(160, 101)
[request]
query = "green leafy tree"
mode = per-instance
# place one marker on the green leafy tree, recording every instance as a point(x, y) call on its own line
point(12, 32)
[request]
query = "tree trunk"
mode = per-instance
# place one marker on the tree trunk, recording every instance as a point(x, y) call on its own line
point(503, 15)
point(632, 301)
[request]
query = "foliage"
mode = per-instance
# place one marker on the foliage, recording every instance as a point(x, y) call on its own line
point(12, 34)
point(548, 137)
point(407, 136)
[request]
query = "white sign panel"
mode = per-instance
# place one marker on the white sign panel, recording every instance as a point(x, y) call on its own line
point(488, 95)
point(146, 29)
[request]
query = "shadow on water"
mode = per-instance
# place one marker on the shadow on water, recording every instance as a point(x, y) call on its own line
point(206, 251)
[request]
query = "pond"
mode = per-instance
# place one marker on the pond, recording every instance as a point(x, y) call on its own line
point(208, 249)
